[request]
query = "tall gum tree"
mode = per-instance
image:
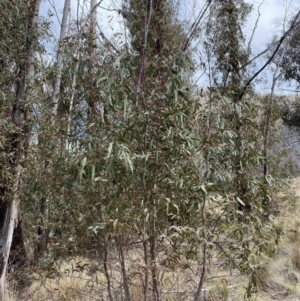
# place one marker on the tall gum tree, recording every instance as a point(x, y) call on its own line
point(234, 144)
point(19, 138)
point(43, 227)
point(225, 24)
point(160, 96)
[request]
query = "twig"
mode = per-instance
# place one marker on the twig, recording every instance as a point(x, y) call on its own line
point(255, 27)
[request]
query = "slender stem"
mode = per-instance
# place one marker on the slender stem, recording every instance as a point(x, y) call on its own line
point(106, 271)
point(254, 28)
point(143, 51)
point(294, 23)
point(192, 32)
point(156, 291)
point(146, 285)
point(123, 268)
point(73, 89)
point(203, 274)
point(63, 32)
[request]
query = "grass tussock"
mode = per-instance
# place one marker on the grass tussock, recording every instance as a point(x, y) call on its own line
point(268, 281)
point(220, 290)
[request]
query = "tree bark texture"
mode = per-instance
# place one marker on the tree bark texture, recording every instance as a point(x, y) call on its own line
point(9, 190)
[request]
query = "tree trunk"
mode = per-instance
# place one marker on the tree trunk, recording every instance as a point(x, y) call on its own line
point(203, 275)
point(93, 17)
point(106, 271)
point(91, 45)
point(123, 269)
point(18, 256)
point(8, 218)
point(43, 231)
point(146, 285)
point(153, 256)
point(59, 63)
point(9, 192)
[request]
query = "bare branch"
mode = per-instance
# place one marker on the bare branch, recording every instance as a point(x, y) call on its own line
point(279, 43)
point(144, 47)
point(107, 40)
point(255, 26)
point(56, 13)
point(195, 25)
point(257, 56)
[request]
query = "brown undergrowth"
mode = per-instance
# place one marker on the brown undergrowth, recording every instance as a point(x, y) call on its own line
point(278, 277)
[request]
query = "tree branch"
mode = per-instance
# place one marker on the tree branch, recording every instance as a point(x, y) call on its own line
point(248, 83)
point(195, 25)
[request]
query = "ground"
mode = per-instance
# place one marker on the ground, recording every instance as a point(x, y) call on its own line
point(278, 279)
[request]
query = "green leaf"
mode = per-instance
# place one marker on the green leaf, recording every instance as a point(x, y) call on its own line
point(125, 107)
point(202, 188)
point(222, 123)
point(83, 162)
point(93, 174)
point(129, 161)
point(240, 201)
point(109, 150)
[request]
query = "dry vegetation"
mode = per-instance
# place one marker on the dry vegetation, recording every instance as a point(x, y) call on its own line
point(156, 196)
point(81, 279)
point(279, 278)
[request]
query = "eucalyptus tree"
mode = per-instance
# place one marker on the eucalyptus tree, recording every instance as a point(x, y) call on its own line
point(143, 131)
point(128, 174)
point(21, 24)
point(136, 150)
point(234, 141)
point(288, 62)
point(162, 134)
point(227, 19)
point(43, 227)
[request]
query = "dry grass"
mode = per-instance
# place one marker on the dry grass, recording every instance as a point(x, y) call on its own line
point(70, 283)
point(280, 276)
point(277, 279)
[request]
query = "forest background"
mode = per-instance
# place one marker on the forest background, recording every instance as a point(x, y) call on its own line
point(146, 155)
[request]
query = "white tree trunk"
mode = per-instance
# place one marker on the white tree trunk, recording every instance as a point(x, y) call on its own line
point(93, 22)
point(93, 16)
point(10, 220)
point(63, 32)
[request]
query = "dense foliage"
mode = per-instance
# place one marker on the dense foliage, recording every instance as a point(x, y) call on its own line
point(132, 164)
